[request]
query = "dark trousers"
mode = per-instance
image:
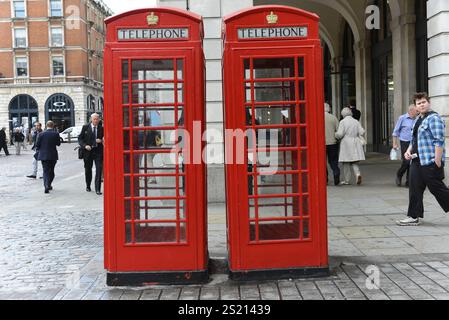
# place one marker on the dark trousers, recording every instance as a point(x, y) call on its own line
point(48, 167)
point(332, 158)
point(431, 177)
point(94, 156)
point(4, 146)
point(405, 166)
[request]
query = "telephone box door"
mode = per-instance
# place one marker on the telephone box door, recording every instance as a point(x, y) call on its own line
point(155, 223)
point(280, 228)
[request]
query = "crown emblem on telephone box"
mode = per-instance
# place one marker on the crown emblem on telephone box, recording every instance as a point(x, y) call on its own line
point(272, 18)
point(152, 19)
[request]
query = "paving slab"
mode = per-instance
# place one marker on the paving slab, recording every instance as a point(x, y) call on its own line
point(429, 244)
point(366, 232)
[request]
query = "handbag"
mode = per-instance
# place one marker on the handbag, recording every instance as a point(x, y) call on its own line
point(80, 152)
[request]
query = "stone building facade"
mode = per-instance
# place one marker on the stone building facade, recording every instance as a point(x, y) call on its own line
point(51, 61)
point(377, 69)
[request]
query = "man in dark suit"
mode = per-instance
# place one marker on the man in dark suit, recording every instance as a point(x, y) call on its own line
point(47, 153)
point(91, 142)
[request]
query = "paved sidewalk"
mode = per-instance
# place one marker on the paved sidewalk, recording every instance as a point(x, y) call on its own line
point(51, 245)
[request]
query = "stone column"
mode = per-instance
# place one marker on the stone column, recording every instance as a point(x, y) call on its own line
point(438, 40)
point(336, 86)
point(181, 4)
point(212, 12)
point(404, 61)
point(362, 53)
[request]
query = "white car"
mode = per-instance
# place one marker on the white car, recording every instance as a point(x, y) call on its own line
point(74, 133)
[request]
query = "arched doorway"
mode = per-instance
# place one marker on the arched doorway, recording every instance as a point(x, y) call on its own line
point(90, 106)
point(348, 85)
point(327, 74)
point(23, 112)
point(60, 109)
point(422, 57)
point(100, 107)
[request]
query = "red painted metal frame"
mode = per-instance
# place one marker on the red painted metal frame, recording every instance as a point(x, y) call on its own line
point(310, 252)
point(184, 254)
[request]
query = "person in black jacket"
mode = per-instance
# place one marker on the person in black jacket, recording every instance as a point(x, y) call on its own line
point(47, 153)
point(3, 143)
point(18, 138)
point(91, 142)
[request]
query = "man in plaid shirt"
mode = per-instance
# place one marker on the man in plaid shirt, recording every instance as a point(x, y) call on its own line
point(427, 154)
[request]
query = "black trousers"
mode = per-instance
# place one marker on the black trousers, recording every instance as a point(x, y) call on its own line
point(48, 167)
point(4, 146)
point(405, 166)
point(426, 177)
point(332, 158)
point(91, 157)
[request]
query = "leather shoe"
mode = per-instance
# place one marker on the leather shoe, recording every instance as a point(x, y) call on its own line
point(98, 192)
point(88, 189)
point(31, 177)
point(336, 180)
point(47, 191)
point(398, 181)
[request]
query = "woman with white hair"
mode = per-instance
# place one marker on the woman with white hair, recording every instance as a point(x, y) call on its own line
point(350, 132)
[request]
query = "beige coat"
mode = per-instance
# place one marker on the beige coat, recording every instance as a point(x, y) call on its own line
point(331, 128)
point(351, 147)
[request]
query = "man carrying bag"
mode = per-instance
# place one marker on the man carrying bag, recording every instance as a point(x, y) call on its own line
point(91, 150)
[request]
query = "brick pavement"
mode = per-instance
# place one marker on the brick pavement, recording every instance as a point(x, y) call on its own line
point(51, 248)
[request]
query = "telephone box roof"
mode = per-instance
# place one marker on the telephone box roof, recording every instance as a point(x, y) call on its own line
point(187, 14)
point(257, 9)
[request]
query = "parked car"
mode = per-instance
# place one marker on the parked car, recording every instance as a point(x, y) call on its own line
point(74, 133)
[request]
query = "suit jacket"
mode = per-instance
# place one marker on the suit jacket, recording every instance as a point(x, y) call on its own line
point(87, 138)
point(2, 137)
point(46, 145)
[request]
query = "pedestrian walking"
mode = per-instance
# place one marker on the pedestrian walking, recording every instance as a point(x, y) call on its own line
point(332, 123)
point(37, 130)
point(350, 132)
point(3, 141)
point(427, 153)
point(356, 114)
point(25, 137)
point(18, 138)
point(47, 153)
point(402, 135)
point(91, 142)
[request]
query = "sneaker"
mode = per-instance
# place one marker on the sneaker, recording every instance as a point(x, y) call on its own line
point(344, 183)
point(409, 221)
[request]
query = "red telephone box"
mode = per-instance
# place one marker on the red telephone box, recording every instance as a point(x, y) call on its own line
point(155, 199)
point(276, 196)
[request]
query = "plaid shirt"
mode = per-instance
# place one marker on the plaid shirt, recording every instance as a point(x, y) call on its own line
point(430, 135)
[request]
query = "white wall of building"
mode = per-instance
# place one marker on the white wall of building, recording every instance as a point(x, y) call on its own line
point(438, 35)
